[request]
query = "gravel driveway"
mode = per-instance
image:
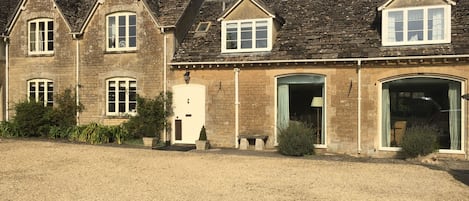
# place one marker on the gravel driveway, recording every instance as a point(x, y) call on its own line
point(41, 170)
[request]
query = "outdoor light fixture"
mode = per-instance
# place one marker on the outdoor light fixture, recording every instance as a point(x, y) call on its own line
point(187, 77)
point(465, 96)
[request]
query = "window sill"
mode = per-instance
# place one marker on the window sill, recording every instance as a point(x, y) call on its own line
point(41, 54)
point(120, 51)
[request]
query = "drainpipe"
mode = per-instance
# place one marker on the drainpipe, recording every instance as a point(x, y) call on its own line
point(359, 124)
point(7, 66)
point(236, 71)
point(165, 137)
point(77, 76)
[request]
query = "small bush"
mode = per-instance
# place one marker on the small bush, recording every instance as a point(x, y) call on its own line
point(32, 118)
point(65, 110)
point(419, 141)
point(151, 116)
point(296, 140)
point(203, 134)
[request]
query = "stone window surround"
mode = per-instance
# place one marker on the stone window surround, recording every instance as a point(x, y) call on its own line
point(37, 50)
point(126, 45)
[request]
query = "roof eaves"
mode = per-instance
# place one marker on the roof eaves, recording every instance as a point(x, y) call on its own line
point(20, 7)
point(390, 1)
point(90, 15)
point(259, 5)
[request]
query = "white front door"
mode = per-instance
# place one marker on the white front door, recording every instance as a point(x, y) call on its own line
point(189, 112)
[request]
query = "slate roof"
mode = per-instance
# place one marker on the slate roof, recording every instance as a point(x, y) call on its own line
point(318, 29)
point(7, 8)
point(76, 12)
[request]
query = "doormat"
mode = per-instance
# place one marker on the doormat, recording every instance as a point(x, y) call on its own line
point(176, 147)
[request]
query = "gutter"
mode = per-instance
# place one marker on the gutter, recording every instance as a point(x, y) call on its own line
point(320, 60)
point(359, 125)
point(77, 76)
point(7, 77)
point(236, 79)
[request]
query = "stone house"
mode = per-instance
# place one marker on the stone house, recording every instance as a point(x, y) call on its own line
point(106, 50)
point(362, 72)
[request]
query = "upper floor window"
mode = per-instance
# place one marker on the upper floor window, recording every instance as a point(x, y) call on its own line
point(121, 32)
point(417, 25)
point(41, 90)
point(121, 96)
point(247, 35)
point(41, 36)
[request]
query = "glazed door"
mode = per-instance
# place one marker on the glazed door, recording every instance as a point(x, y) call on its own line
point(189, 112)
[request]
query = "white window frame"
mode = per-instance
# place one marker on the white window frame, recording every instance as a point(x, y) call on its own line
point(126, 45)
point(127, 101)
point(253, 49)
point(46, 92)
point(324, 108)
point(446, 28)
point(37, 36)
point(380, 115)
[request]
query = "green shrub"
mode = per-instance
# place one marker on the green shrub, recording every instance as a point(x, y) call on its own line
point(65, 110)
point(9, 129)
point(32, 118)
point(203, 134)
point(296, 140)
point(151, 116)
point(419, 140)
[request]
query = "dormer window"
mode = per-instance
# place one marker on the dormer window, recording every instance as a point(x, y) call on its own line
point(247, 35)
point(416, 25)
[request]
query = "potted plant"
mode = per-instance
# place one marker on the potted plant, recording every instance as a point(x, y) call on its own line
point(202, 143)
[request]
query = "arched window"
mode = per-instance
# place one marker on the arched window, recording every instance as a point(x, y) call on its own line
point(41, 36)
point(121, 96)
point(121, 31)
point(41, 90)
point(300, 98)
point(424, 101)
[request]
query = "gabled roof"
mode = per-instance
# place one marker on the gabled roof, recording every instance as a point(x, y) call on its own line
point(7, 10)
point(318, 29)
point(76, 12)
point(390, 1)
point(259, 3)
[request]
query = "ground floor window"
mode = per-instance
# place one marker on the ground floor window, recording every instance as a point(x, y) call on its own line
point(422, 101)
point(300, 98)
point(121, 96)
point(41, 90)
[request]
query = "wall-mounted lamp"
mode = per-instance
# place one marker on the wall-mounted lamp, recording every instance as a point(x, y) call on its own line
point(465, 96)
point(187, 77)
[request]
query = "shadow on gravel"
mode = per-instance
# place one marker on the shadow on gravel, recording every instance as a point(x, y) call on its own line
point(461, 175)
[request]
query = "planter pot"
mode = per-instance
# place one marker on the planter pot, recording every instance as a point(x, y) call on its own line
point(201, 144)
point(149, 141)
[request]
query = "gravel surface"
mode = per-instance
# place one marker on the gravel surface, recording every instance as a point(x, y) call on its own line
point(42, 170)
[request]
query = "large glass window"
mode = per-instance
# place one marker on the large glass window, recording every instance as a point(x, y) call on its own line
point(300, 98)
point(413, 26)
point(421, 101)
point(41, 36)
point(121, 96)
point(246, 35)
point(41, 90)
point(122, 31)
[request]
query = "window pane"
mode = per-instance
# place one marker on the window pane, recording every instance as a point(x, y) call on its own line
point(436, 24)
point(122, 31)
point(112, 32)
point(246, 35)
point(415, 25)
point(132, 31)
point(50, 94)
point(41, 89)
point(430, 102)
point(32, 36)
point(395, 26)
point(42, 35)
point(50, 36)
point(261, 43)
point(32, 91)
